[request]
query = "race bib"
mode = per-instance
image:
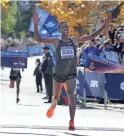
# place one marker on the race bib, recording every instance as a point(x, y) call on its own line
point(67, 52)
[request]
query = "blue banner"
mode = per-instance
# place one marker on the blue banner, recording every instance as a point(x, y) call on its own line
point(99, 64)
point(115, 86)
point(44, 33)
point(92, 82)
point(95, 84)
point(80, 81)
point(14, 59)
point(63, 97)
point(48, 24)
point(44, 15)
point(55, 34)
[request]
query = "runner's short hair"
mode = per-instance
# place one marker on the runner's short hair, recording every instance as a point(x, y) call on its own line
point(61, 23)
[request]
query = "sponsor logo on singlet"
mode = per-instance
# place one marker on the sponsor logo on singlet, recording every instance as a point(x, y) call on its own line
point(67, 52)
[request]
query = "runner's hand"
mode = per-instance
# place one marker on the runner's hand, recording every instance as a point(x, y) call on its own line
point(107, 21)
point(36, 18)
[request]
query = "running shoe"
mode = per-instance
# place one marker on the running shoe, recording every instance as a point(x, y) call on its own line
point(17, 100)
point(71, 125)
point(10, 86)
point(50, 111)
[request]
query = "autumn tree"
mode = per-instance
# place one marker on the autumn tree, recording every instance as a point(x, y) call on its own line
point(16, 17)
point(4, 3)
point(8, 18)
point(81, 15)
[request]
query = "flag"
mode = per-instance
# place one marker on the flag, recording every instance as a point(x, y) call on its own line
point(43, 16)
point(44, 33)
point(55, 32)
point(48, 24)
point(31, 28)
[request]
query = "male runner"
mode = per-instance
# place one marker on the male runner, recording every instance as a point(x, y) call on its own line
point(65, 69)
point(15, 76)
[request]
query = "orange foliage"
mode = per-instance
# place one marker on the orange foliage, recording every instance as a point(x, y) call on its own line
point(79, 11)
point(4, 3)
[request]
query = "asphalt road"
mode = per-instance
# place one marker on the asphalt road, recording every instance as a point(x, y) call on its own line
point(29, 116)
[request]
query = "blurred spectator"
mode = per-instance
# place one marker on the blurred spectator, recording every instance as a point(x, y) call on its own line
point(90, 50)
point(38, 74)
point(112, 32)
point(112, 48)
point(80, 57)
point(122, 47)
point(100, 40)
point(1, 44)
point(109, 52)
point(117, 48)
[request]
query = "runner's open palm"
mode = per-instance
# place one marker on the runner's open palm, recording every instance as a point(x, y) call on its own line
point(107, 21)
point(36, 18)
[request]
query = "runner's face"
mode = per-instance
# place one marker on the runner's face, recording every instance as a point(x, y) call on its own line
point(63, 29)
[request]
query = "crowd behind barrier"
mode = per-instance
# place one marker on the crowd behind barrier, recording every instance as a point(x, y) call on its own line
point(110, 47)
point(28, 45)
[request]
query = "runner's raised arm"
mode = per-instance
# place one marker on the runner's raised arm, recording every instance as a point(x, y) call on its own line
point(36, 19)
point(93, 35)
